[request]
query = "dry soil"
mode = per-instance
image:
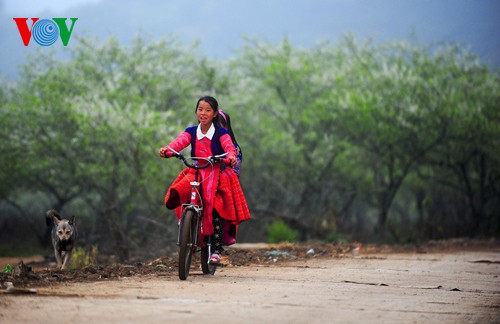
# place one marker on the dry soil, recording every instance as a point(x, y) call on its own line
point(436, 283)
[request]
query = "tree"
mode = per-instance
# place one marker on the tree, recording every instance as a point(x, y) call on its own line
point(468, 162)
point(89, 129)
point(285, 96)
point(345, 126)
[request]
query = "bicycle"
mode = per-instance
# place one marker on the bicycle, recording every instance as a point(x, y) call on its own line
point(190, 239)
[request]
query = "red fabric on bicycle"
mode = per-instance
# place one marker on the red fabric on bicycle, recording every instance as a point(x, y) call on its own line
point(229, 199)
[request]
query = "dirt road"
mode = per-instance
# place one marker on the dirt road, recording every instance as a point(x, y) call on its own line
point(455, 287)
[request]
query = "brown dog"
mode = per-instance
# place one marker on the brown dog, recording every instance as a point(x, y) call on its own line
point(64, 235)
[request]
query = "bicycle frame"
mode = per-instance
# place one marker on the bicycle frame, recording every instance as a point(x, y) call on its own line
point(195, 204)
point(190, 239)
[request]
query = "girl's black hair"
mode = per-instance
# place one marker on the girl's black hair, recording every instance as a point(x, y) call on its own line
point(226, 123)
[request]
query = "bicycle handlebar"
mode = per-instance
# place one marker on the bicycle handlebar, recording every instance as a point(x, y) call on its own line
point(211, 159)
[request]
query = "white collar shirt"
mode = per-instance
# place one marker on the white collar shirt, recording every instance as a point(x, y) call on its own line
point(209, 134)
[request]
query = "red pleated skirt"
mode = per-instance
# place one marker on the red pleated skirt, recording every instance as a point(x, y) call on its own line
point(229, 200)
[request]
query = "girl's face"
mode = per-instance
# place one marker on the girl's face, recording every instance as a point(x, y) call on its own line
point(205, 114)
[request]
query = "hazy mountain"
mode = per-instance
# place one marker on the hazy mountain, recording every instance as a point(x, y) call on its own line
point(220, 24)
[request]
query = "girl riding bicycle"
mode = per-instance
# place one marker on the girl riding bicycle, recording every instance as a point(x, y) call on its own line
point(221, 191)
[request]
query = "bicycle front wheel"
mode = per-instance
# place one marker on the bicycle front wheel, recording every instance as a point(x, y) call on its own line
point(188, 232)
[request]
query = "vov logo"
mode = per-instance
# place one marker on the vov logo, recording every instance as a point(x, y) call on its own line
point(45, 31)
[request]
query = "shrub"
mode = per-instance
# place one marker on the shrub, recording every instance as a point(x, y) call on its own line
point(334, 237)
point(278, 232)
point(82, 258)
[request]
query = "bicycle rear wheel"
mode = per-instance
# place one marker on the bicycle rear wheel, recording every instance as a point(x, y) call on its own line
point(188, 232)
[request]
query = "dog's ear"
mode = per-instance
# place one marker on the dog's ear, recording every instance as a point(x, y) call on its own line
point(52, 215)
point(56, 220)
point(56, 214)
point(72, 220)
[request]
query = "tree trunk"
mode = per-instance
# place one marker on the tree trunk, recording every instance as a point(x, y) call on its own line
point(121, 246)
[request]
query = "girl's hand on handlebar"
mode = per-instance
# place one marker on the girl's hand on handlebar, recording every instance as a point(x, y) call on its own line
point(165, 152)
point(232, 161)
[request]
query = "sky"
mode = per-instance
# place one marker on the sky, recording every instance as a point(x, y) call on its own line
point(222, 25)
point(33, 7)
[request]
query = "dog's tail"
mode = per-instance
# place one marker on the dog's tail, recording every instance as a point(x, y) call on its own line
point(49, 216)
